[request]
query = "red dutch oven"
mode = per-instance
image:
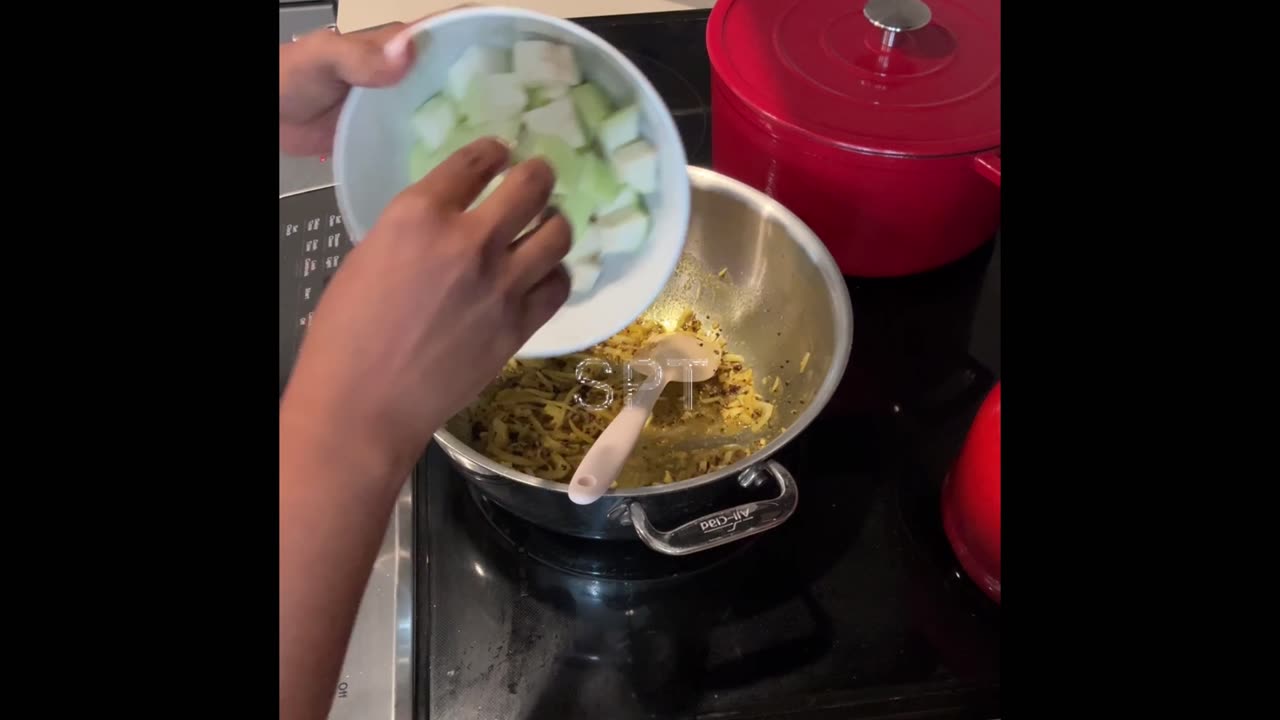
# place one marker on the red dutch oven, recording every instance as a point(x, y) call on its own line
point(878, 124)
point(971, 499)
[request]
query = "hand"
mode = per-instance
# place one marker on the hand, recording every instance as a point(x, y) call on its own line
point(318, 71)
point(428, 308)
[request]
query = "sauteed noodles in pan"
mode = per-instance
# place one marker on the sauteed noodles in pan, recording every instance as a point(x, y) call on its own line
point(538, 417)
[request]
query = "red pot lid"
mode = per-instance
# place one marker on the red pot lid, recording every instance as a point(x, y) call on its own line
point(900, 77)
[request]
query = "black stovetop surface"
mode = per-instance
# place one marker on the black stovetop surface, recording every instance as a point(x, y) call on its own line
point(854, 607)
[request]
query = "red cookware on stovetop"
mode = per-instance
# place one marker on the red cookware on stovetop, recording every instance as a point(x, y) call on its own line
point(971, 499)
point(878, 123)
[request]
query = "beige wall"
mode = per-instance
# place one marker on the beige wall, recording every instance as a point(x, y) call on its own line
point(357, 14)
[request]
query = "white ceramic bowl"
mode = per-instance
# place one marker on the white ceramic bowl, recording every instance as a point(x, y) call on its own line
point(374, 137)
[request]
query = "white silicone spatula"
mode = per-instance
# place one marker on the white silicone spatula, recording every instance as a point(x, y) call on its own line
point(675, 357)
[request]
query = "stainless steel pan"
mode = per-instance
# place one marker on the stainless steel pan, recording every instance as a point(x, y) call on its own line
point(780, 299)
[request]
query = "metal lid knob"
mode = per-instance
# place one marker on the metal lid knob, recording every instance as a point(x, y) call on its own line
point(895, 16)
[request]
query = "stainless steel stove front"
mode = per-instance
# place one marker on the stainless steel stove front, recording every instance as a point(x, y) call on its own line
point(377, 675)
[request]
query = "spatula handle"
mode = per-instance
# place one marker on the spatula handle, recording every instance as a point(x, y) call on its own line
point(602, 463)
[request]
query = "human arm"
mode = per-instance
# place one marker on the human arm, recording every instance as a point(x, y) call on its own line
point(421, 316)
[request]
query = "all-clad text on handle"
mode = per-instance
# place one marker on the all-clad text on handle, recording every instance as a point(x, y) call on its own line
point(727, 525)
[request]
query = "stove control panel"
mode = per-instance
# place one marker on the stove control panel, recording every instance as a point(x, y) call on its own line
point(313, 244)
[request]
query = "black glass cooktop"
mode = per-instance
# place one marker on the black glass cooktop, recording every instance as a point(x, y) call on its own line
point(854, 607)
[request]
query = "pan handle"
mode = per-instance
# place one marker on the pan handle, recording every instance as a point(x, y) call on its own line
point(725, 526)
point(988, 166)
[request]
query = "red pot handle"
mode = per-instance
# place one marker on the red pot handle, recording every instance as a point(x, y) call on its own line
point(988, 166)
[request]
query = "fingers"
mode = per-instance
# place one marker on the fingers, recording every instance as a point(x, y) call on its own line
point(544, 299)
point(538, 254)
point(519, 200)
point(455, 183)
point(359, 59)
point(400, 41)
